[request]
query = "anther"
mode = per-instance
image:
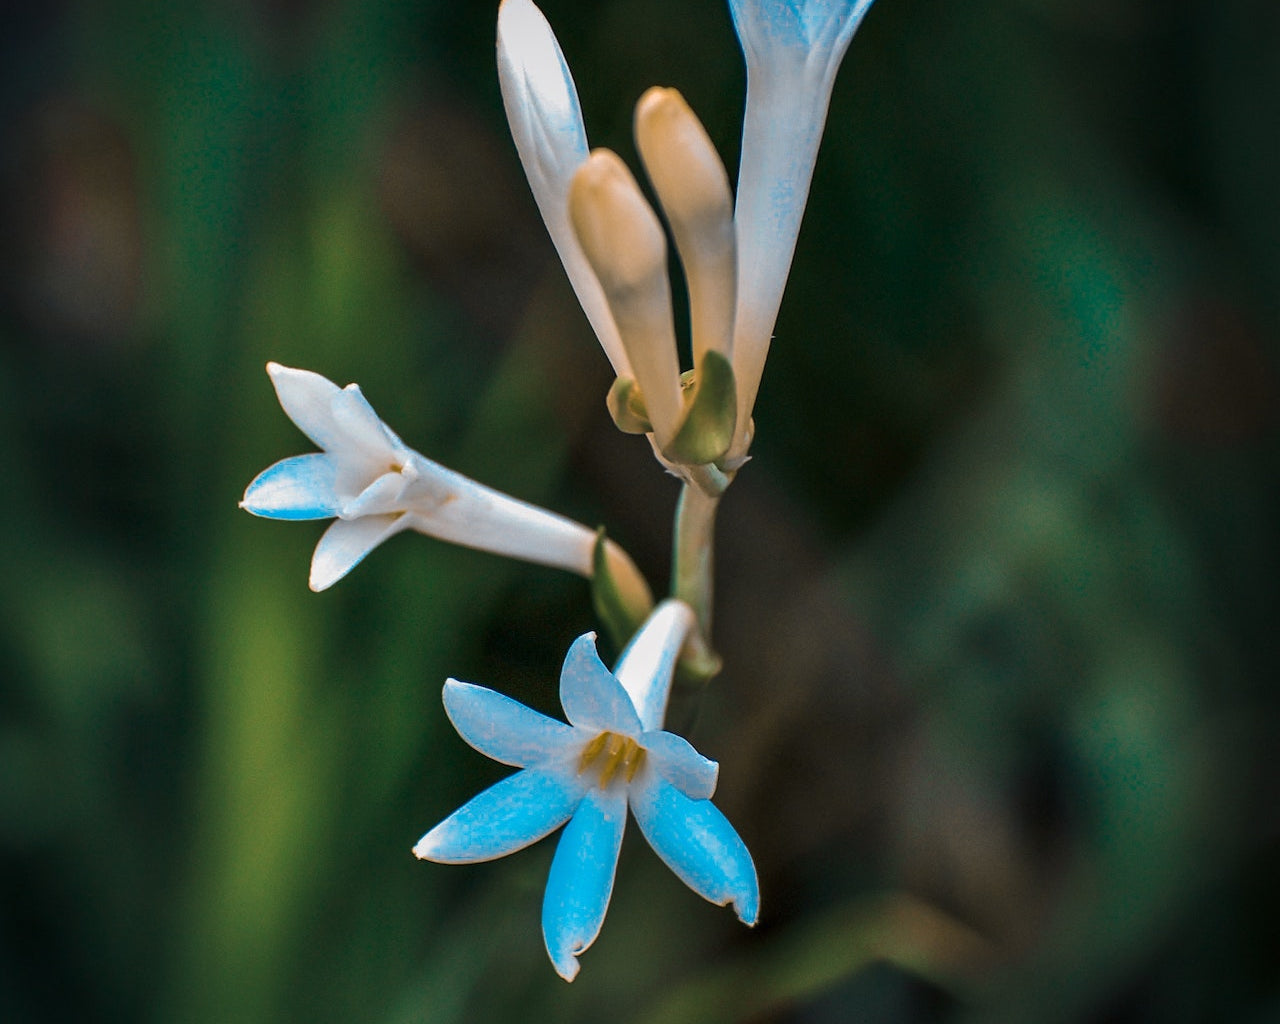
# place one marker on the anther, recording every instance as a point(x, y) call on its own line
point(613, 753)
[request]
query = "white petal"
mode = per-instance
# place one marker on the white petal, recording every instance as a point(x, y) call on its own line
point(346, 542)
point(793, 51)
point(382, 496)
point(546, 123)
point(362, 428)
point(504, 729)
point(648, 664)
point(508, 816)
point(592, 697)
point(334, 418)
point(697, 842)
point(581, 880)
point(674, 758)
point(298, 488)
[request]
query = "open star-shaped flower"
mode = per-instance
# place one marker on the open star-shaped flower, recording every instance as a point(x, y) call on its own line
point(612, 754)
point(374, 486)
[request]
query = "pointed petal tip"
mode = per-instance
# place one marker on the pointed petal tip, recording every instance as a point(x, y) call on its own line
point(747, 908)
point(323, 577)
point(567, 967)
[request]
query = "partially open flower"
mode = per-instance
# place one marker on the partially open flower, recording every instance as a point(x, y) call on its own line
point(374, 486)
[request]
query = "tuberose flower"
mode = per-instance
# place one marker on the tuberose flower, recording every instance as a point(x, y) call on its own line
point(374, 486)
point(793, 50)
point(612, 754)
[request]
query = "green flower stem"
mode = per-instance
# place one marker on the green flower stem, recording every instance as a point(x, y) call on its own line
point(693, 568)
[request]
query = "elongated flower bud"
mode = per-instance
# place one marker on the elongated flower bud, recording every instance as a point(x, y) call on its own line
point(693, 188)
point(625, 245)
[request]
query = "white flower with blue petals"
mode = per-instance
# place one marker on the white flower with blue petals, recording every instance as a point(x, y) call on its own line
point(374, 486)
point(612, 754)
point(793, 49)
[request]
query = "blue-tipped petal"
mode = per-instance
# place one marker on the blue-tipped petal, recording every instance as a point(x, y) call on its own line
point(591, 696)
point(674, 758)
point(298, 488)
point(697, 842)
point(508, 816)
point(805, 24)
point(502, 728)
point(581, 879)
point(346, 542)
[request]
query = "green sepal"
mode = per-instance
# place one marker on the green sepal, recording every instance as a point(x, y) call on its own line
point(620, 616)
point(711, 412)
point(626, 406)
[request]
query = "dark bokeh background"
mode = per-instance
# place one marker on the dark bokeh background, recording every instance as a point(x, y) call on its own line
point(997, 593)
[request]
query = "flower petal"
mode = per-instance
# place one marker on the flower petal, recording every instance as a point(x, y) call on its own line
point(298, 488)
point(502, 728)
point(805, 26)
point(346, 542)
point(508, 816)
point(383, 495)
point(697, 842)
point(362, 427)
point(332, 417)
point(676, 761)
point(546, 123)
point(581, 878)
point(645, 669)
point(592, 698)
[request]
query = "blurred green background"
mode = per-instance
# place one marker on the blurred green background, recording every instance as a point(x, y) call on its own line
point(997, 594)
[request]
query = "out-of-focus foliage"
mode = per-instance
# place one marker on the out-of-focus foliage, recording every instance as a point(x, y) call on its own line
point(997, 592)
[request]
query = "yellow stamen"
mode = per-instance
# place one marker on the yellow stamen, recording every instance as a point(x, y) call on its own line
point(592, 750)
point(633, 763)
point(612, 753)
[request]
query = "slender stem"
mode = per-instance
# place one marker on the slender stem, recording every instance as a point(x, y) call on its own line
point(695, 536)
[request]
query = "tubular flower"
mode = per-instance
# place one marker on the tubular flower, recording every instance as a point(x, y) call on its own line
point(612, 754)
point(793, 49)
point(374, 486)
point(546, 123)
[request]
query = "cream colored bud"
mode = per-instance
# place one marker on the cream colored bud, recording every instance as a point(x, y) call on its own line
point(693, 188)
point(625, 245)
point(615, 225)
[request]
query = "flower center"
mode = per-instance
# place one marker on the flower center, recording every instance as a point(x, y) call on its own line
point(612, 753)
